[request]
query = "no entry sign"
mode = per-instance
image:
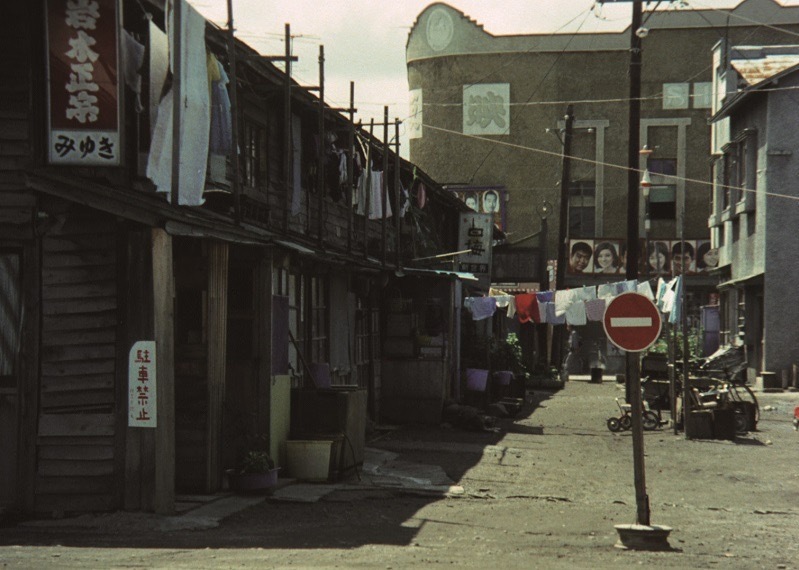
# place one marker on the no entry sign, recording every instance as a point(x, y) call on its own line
point(632, 322)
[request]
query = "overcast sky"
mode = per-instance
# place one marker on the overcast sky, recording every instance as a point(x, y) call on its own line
point(365, 39)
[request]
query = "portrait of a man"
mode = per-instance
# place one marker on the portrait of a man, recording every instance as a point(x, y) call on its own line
point(580, 257)
point(490, 201)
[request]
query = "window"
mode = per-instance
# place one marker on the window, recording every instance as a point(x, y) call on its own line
point(582, 208)
point(740, 165)
point(663, 193)
point(255, 155)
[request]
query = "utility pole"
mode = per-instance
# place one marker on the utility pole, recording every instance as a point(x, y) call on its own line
point(177, 100)
point(633, 360)
point(563, 225)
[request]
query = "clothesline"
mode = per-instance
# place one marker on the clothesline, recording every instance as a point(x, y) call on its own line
point(576, 306)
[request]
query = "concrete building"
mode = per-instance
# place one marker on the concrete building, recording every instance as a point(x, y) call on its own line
point(489, 113)
point(755, 207)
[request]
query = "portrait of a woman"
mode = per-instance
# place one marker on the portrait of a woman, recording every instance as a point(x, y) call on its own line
point(606, 258)
point(707, 258)
point(657, 254)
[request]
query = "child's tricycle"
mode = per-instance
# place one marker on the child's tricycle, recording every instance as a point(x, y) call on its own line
point(625, 420)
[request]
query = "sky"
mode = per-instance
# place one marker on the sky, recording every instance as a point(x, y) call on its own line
point(364, 40)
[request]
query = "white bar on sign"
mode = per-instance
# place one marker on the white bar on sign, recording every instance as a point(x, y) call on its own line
point(622, 322)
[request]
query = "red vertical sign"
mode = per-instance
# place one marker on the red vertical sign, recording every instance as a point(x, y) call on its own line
point(83, 82)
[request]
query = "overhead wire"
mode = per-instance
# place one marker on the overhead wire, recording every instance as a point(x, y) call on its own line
point(674, 177)
point(534, 91)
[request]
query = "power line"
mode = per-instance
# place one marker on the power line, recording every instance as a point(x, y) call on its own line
point(608, 164)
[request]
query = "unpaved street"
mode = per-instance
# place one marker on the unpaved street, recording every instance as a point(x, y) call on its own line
point(543, 492)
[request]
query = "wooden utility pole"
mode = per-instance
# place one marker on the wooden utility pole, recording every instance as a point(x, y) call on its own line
point(633, 188)
point(563, 226)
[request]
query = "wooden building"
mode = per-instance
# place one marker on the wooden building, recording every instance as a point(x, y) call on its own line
point(273, 271)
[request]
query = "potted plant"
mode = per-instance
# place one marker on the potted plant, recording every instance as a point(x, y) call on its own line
point(507, 361)
point(255, 472)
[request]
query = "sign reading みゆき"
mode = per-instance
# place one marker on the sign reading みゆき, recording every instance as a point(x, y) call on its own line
point(83, 82)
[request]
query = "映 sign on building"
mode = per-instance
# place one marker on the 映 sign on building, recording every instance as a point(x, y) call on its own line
point(83, 95)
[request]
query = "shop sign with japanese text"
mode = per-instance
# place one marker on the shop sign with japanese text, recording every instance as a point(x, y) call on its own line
point(83, 82)
point(141, 385)
point(475, 234)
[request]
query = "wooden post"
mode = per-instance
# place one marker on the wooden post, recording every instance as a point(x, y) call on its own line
point(218, 253)
point(234, 110)
point(384, 186)
point(264, 312)
point(164, 328)
point(350, 165)
point(397, 192)
point(368, 192)
point(288, 157)
point(137, 281)
point(320, 169)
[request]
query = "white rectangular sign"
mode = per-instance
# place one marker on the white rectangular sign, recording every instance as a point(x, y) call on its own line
point(142, 385)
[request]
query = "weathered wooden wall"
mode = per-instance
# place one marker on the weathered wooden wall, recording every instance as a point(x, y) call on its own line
point(78, 400)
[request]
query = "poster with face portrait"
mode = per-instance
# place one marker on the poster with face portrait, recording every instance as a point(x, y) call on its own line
point(486, 201)
point(707, 256)
point(581, 254)
point(606, 257)
point(683, 257)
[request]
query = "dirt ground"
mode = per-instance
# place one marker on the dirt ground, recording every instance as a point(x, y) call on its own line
point(545, 491)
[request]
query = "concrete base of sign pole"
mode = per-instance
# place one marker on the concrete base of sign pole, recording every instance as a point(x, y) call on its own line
point(643, 537)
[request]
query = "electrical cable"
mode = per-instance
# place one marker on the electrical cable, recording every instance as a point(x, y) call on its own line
point(610, 164)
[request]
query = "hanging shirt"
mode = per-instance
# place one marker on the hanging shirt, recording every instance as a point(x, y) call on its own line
point(587, 293)
point(595, 309)
point(542, 311)
point(606, 291)
point(481, 307)
point(645, 289)
point(221, 141)
point(575, 314)
point(563, 300)
point(527, 308)
point(545, 296)
point(508, 301)
point(376, 198)
point(553, 318)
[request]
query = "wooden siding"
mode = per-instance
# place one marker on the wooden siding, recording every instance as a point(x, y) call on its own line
point(78, 408)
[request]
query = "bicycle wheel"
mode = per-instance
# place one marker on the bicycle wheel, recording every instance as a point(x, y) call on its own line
point(650, 420)
point(626, 422)
point(614, 425)
point(741, 423)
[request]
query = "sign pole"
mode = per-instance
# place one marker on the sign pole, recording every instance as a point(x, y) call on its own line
point(633, 361)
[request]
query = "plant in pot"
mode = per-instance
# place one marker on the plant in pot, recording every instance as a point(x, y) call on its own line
point(255, 472)
point(507, 361)
point(475, 349)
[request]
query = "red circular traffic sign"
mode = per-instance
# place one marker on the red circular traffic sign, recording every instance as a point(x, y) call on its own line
point(632, 322)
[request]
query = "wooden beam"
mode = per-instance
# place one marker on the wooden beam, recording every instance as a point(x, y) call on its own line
point(164, 328)
point(218, 254)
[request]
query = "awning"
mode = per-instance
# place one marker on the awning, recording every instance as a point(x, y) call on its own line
point(750, 280)
point(438, 273)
